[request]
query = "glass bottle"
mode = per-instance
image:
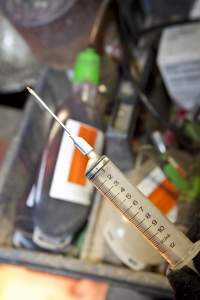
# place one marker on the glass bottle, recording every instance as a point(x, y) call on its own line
point(63, 196)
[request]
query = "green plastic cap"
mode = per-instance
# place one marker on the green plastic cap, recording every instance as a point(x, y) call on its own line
point(87, 66)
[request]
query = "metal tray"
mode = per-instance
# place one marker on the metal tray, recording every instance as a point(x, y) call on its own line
point(15, 173)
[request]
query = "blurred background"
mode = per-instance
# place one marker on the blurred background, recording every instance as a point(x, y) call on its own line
point(125, 75)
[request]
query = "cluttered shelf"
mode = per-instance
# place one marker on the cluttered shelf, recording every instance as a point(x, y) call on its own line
point(137, 102)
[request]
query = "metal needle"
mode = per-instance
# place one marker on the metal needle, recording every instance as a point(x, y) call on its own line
point(79, 142)
point(32, 92)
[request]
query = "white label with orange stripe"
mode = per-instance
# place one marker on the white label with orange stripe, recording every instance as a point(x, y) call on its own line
point(69, 182)
point(159, 190)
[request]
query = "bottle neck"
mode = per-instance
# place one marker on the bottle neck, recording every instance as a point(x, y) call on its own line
point(86, 93)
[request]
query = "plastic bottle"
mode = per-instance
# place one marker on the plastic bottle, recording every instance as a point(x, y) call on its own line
point(63, 196)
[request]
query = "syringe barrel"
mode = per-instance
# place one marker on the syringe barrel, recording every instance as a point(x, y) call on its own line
point(172, 244)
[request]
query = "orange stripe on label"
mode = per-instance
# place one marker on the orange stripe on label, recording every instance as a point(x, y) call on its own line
point(164, 196)
point(79, 161)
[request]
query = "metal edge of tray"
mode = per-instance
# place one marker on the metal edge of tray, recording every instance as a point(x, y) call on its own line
point(143, 281)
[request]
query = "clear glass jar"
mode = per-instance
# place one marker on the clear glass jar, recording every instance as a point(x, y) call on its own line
point(55, 30)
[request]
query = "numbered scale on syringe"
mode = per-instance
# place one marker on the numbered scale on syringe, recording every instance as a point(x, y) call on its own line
point(155, 227)
point(173, 245)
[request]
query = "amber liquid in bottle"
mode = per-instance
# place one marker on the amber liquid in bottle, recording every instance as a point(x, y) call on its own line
point(57, 221)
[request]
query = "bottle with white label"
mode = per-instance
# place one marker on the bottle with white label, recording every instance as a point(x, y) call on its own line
point(63, 194)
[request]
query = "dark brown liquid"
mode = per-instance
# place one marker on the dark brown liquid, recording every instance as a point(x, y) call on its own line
point(57, 218)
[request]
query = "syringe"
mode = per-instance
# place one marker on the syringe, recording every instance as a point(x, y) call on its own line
point(172, 244)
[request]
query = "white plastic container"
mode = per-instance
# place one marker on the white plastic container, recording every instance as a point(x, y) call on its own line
point(128, 244)
point(179, 64)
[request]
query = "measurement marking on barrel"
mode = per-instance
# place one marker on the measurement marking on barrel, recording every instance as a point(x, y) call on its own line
point(114, 197)
point(133, 217)
point(99, 186)
point(153, 236)
point(138, 225)
point(125, 212)
point(108, 191)
point(136, 212)
point(146, 229)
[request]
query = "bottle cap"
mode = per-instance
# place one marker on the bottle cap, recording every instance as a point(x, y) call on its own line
point(87, 66)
